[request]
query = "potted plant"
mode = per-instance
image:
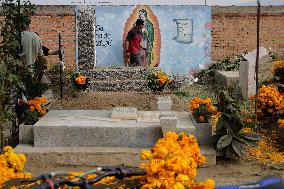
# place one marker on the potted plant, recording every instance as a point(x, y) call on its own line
point(157, 81)
point(80, 82)
point(201, 111)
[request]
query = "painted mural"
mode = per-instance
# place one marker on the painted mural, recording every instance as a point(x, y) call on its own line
point(177, 38)
point(151, 38)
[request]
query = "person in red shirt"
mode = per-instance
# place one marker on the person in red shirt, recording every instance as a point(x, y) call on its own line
point(133, 43)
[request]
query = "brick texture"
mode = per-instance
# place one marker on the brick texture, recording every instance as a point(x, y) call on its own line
point(48, 22)
point(234, 30)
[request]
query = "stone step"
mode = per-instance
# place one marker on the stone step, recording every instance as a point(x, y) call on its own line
point(93, 128)
point(45, 159)
point(126, 73)
point(119, 85)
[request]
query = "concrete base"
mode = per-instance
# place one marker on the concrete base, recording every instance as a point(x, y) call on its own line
point(93, 128)
point(226, 78)
point(46, 159)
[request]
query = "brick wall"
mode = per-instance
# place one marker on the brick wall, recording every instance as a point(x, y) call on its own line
point(48, 22)
point(233, 30)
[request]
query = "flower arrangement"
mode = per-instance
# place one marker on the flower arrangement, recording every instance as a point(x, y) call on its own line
point(202, 109)
point(281, 123)
point(12, 165)
point(278, 71)
point(270, 101)
point(79, 81)
point(172, 163)
point(33, 110)
point(157, 81)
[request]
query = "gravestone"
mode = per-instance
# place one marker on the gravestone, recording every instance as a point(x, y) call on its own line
point(164, 103)
point(247, 72)
point(124, 113)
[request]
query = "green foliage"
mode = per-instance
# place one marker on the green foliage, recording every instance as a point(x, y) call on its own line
point(228, 64)
point(32, 79)
point(31, 117)
point(15, 17)
point(34, 88)
point(229, 140)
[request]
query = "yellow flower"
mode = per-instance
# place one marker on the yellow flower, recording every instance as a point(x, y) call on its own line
point(173, 162)
point(7, 149)
point(178, 185)
point(146, 154)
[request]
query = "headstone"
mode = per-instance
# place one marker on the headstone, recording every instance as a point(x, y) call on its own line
point(247, 72)
point(164, 103)
point(168, 123)
point(124, 113)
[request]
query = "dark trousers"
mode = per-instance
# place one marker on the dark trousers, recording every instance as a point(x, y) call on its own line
point(134, 59)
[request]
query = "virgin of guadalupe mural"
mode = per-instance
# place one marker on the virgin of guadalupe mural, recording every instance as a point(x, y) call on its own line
point(151, 38)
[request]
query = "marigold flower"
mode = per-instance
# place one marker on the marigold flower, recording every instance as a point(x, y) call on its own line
point(7, 149)
point(201, 118)
point(173, 162)
point(145, 154)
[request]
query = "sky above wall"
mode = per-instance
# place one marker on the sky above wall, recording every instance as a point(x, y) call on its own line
point(167, 2)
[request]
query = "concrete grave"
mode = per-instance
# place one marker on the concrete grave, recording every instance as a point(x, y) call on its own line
point(94, 128)
point(247, 72)
point(164, 103)
point(124, 113)
point(226, 78)
point(84, 138)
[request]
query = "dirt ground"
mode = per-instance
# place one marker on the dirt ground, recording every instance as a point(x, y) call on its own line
point(225, 172)
point(108, 100)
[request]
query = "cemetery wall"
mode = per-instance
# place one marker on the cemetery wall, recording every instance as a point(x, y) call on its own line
point(233, 30)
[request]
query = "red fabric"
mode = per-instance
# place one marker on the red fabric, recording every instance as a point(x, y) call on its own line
point(134, 44)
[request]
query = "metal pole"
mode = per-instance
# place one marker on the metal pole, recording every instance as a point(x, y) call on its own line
point(257, 59)
point(61, 67)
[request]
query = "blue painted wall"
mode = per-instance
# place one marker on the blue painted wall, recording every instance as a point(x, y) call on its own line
point(175, 58)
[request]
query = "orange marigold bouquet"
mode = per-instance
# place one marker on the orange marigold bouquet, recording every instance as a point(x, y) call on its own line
point(12, 165)
point(281, 123)
point(33, 109)
point(172, 163)
point(157, 81)
point(80, 82)
point(202, 109)
point(270, 101)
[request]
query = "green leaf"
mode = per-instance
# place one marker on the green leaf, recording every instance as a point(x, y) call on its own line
point(251, 136)
point(229, 152)
point(224, 141)
point(239, 147)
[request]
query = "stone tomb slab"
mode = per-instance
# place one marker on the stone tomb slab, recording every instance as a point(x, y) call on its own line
point(148, 116)
point(126, 113)
point(93, 128)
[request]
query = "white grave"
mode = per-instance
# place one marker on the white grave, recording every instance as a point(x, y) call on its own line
point(247, 72)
